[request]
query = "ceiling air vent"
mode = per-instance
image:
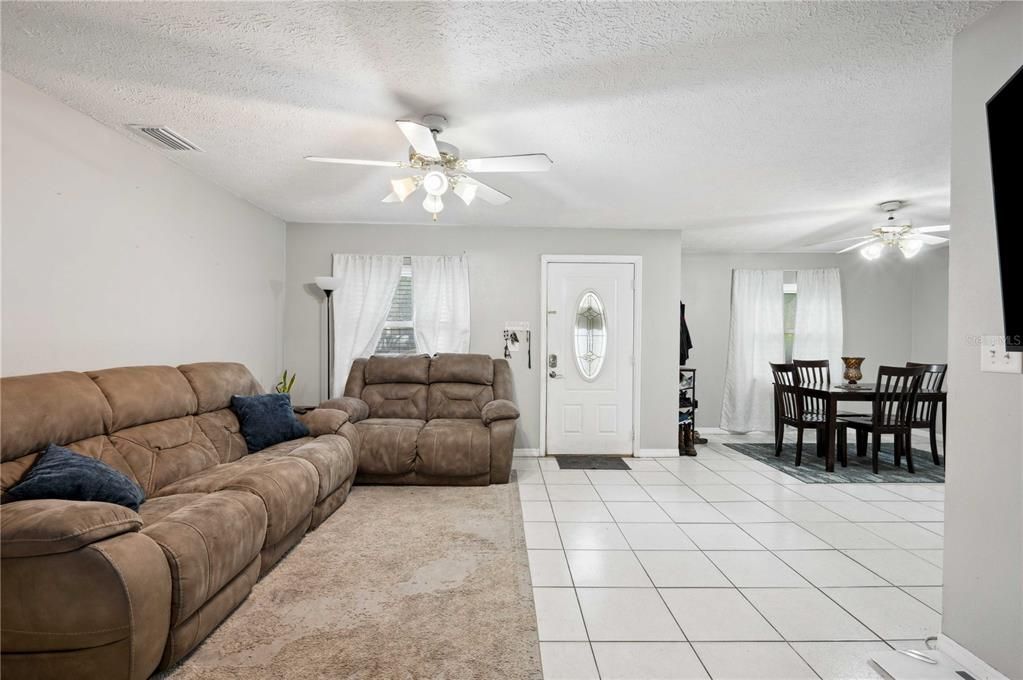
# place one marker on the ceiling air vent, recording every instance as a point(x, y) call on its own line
point(164, 137)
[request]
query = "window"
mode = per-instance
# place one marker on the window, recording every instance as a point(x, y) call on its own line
point(398, 336)
point(790, 319)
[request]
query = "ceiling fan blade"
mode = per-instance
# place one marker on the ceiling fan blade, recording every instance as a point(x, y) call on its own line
point(529, 162)
point(839, 240)
point(353, 161)
point(420, 137)
point(487, 193)
point(857, 245)
point(936, 228)
point(930, 240)
point(391, 198)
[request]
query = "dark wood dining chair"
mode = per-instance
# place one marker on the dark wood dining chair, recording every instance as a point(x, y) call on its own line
point(796, 409)
point(926, 413)
point(892, 413)
point(816, 371)
point(784, 374)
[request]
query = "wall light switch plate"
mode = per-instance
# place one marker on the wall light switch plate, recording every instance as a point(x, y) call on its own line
point(994, 358)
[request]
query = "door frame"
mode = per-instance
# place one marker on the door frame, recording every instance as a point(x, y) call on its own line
point(637, 333)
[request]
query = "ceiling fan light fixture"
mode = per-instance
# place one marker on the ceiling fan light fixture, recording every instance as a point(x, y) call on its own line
point(403, 188)
point(433, 204)
point(466, 192)
point(435, 183)
point(873, 251)
point(910, 247)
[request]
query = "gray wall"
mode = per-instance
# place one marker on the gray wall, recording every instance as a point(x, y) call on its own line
point(983, 603)
point(113, 255)
point(504, 280)
point(881, 320)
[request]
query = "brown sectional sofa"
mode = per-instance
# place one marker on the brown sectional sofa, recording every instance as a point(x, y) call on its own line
point(448, 419)
point(95, 590)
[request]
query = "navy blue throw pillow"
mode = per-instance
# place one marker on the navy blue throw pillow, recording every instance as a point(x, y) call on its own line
point(267, 419)
point(63, 474)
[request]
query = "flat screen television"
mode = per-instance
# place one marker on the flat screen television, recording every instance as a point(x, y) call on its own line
point(1005, 135)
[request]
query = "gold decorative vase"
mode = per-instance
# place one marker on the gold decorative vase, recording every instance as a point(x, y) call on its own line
point(852, 371)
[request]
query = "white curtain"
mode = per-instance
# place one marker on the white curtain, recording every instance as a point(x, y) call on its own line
point(756, 338)
point(361, 304)
point(440, 296)
point(819, 317)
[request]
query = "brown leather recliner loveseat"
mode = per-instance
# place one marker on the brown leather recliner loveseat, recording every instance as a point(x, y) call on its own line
point(95, 590)
point(446, 419)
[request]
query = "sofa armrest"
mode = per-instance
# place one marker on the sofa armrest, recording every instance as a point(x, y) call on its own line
point(356, 408)
point(499, 409)
point(50, 526)
point(323, 421)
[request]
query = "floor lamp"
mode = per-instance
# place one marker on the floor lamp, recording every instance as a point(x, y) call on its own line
point(328, 284)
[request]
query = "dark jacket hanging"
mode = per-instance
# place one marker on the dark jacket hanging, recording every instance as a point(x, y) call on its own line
point(685, 343)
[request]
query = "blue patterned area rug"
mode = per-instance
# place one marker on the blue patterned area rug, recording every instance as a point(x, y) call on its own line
point(860, 470)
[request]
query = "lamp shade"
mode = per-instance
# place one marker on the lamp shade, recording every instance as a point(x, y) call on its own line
point(328, 284)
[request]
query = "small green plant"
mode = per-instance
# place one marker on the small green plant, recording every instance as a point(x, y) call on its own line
point(284, 385)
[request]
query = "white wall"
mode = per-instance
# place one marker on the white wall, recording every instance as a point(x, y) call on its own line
point(504, 280)
point(881, 318)
point(113, 255)
point(983, 595)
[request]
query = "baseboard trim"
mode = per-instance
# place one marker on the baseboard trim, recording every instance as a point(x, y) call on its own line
point(656, 453)
point(531, 453)
point(976, 666)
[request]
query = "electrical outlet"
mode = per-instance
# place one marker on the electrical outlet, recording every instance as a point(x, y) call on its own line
point(994, 358)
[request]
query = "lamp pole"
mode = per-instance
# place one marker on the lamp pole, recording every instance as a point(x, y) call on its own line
point(328, 284)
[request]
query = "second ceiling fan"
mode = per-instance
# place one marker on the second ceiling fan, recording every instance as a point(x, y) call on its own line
point(439, 167)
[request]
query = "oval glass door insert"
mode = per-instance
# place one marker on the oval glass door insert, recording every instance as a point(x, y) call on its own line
point(590, 335)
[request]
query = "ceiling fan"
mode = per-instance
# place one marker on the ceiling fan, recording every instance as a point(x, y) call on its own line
point(439, 167)
point(895, 232)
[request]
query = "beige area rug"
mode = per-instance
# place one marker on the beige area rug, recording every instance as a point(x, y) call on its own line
point(400, 582)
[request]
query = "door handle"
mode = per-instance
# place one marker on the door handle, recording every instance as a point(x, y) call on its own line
point(555, 374)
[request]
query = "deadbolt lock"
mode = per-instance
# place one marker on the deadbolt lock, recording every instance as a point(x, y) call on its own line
point(552, 361)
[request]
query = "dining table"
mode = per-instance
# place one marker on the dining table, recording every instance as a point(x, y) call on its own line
point(833, 394)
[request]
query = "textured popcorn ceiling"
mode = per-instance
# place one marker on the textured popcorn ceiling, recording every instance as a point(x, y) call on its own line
point(750, 126)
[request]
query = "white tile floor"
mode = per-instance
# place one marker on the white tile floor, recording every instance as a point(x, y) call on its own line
point(719, 566)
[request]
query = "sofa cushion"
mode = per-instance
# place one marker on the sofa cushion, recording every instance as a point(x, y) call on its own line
point(388, 445)
point(396, 400)
point(164, 452)
point(144, 394)
point(62, 474)
point(466, 368)
point(454, 448)
point(222, 429)
point(155, 509)
point(398, 369)
point(207, 543)
point(215, 382)
point(457, 400)
point(49, 407)
point(331, 455)
point(288, 487)
point(267, 419)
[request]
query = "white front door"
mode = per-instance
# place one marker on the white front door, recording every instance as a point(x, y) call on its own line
point(589, 357)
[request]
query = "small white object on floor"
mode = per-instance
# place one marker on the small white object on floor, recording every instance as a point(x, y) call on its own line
point(904, 665)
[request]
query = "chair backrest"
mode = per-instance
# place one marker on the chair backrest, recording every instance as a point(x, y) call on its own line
point(784, 374)
point(790, 402)
point(895, 400)
point(817, 372)
point(932, 381)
